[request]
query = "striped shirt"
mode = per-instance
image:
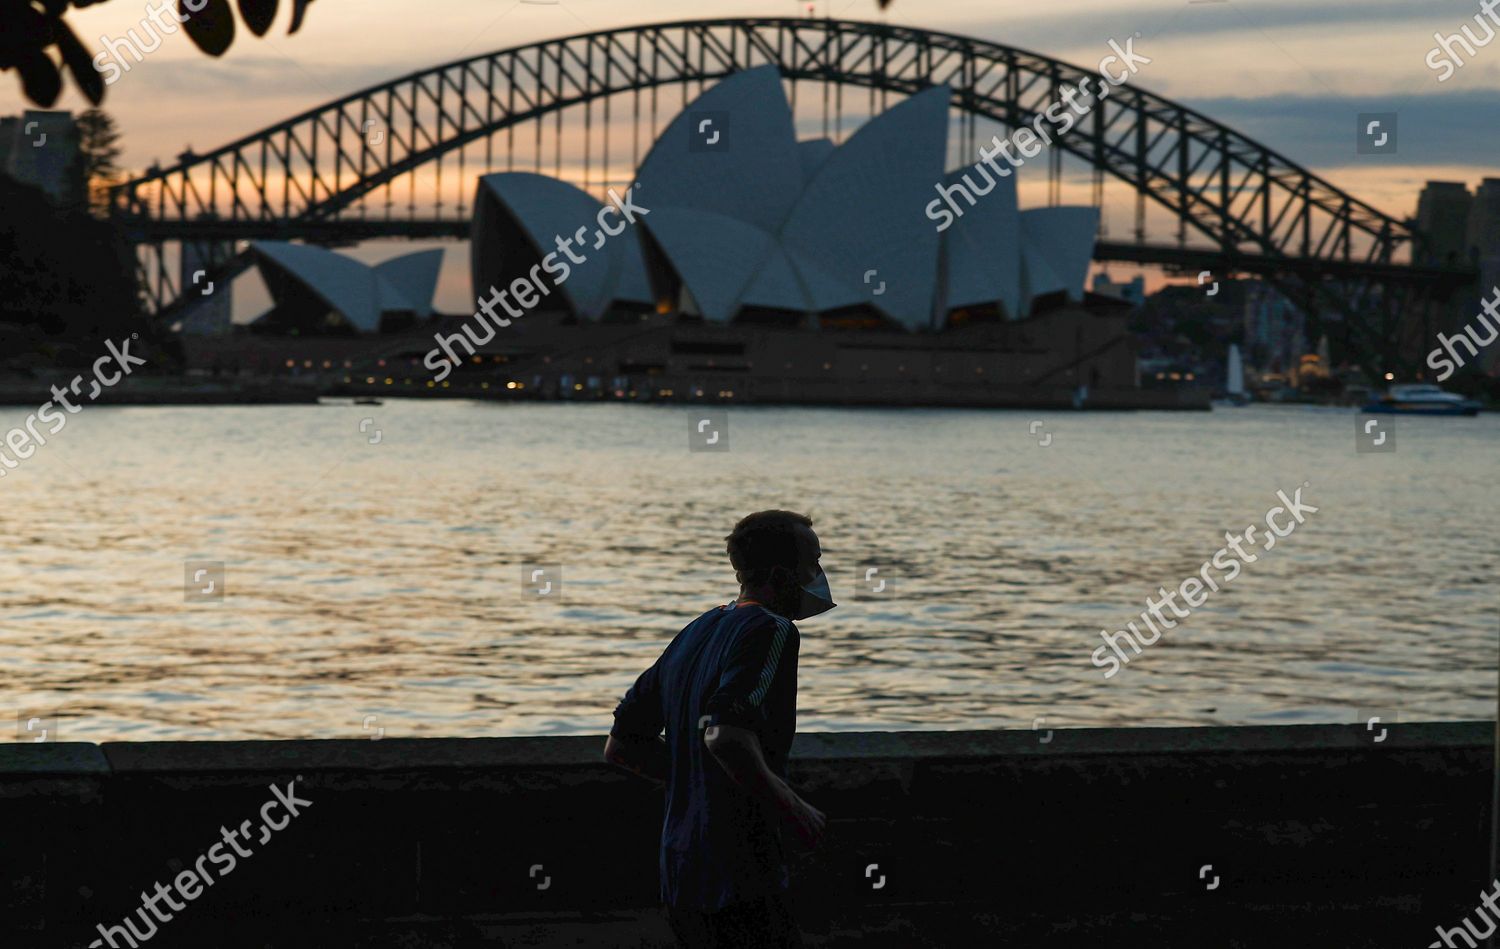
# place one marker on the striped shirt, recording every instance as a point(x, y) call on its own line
point(730, 666)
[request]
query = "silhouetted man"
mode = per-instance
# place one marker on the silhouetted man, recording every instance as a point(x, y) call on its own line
point(725, 691)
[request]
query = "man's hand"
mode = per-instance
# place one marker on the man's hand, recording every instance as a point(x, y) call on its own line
point(807, 821)
point(739, 753)
point(645, 757)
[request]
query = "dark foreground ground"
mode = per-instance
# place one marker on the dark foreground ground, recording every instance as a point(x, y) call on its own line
point(1223, 837)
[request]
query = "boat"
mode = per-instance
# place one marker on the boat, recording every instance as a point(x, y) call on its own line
point(1421, 399)
point(1234, 384)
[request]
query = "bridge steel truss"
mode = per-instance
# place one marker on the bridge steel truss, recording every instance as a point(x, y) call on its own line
point(1256, 208)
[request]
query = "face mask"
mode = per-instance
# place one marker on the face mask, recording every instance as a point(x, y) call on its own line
point(815, 597)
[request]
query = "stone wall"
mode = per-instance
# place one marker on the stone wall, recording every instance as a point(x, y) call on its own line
point(1312, 835)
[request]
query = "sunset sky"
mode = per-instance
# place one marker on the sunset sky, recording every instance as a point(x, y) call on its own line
point(1292, 75)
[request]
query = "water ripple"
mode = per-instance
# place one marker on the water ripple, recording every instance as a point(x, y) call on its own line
point(386, 580)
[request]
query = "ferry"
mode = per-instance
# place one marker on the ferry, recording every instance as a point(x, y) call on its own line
point(1421, 400)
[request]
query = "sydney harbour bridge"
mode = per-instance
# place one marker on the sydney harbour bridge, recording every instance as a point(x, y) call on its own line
point(398, 160)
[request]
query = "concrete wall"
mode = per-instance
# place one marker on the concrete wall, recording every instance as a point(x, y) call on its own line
point(1317, 835)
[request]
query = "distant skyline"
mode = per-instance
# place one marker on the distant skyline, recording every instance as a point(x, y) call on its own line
point(1292, 75)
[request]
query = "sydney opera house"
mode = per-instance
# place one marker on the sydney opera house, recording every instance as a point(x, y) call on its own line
point(748, 265)
point(317, 290)
point(746, 223)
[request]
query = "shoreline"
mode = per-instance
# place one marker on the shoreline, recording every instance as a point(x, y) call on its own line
point(187, 391)
point(177, 391)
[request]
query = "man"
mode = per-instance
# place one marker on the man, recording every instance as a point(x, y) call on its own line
point(725, 691)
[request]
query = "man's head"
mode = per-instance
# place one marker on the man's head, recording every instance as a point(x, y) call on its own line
point(775, 554)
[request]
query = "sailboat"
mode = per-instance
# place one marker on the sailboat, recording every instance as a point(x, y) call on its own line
point(1234, 379)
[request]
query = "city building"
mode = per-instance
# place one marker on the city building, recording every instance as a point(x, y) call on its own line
point(1275, 331)
point(1483, 236)
point(40, 148)
point(1460, 228)
point(1443, 221)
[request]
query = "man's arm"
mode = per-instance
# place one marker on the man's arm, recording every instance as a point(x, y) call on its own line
point(634, 742)
point(739, 753)
point(646, 757)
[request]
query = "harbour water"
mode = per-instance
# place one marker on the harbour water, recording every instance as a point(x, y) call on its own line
point(373, 579)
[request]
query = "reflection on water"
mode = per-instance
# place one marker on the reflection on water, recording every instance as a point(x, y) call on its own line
point(386, 579)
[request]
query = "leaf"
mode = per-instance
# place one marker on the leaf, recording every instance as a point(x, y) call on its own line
point(258, 15)
point(40, 78)
point(76, 58)
point(299, 10)
point(23, 30)
point(212, 27)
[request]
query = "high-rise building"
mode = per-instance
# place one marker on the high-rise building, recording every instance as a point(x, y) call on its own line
point(1483, 246)
point(1460, 229)
point(1484, 234)
point(1275, 337)
point(40, 148)
point(1443, 220)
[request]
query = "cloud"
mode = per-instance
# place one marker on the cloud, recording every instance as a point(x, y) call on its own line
point(1207, 17)
point(270, 77)
point(1451, 128)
